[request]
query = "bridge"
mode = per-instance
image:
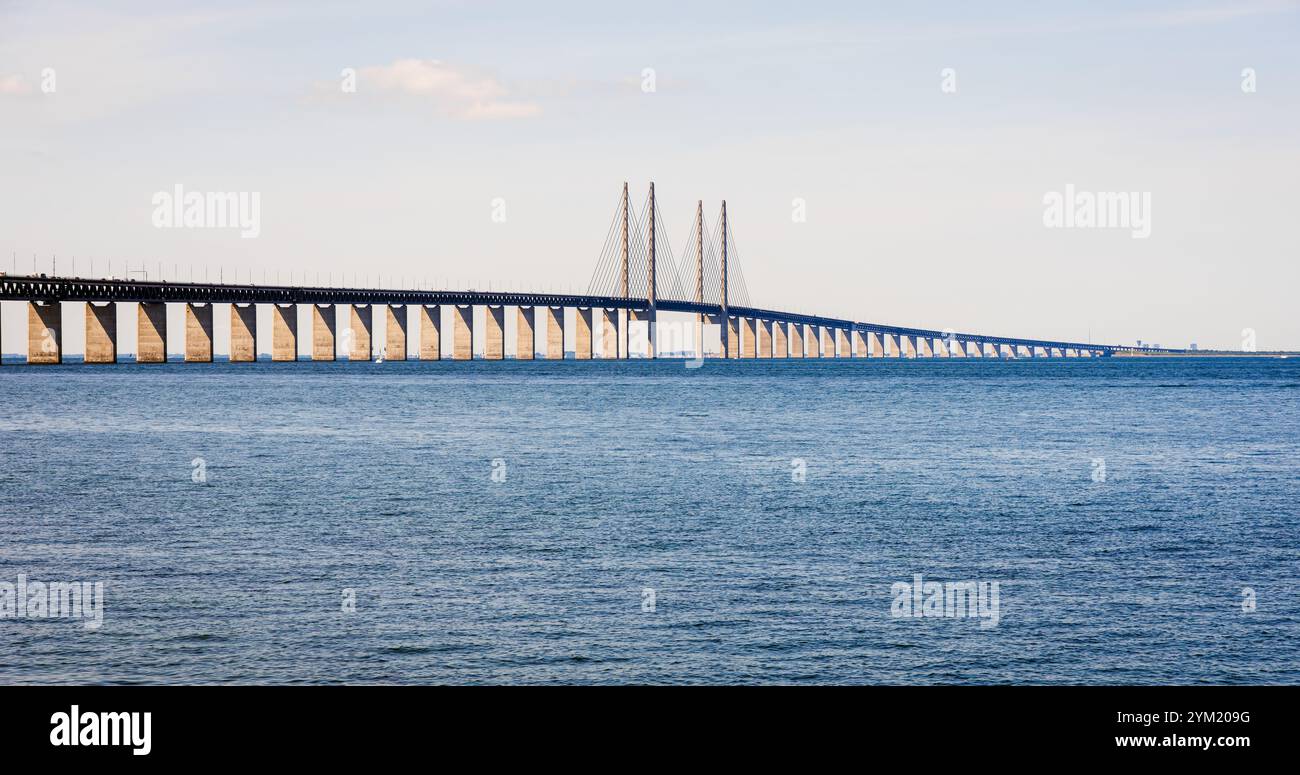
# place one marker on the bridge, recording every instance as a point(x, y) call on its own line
point(635, 279)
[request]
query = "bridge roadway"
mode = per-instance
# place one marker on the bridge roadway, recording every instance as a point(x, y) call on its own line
point(59, 289)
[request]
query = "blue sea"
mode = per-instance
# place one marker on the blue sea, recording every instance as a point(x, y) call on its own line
point(641, 522)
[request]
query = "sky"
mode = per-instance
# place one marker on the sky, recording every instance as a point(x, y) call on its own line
point(486, 143)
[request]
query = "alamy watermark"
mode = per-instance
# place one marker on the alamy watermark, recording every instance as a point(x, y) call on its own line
point(179, 209)
point(947, 600)
point(1100, 210)
point(53, 600)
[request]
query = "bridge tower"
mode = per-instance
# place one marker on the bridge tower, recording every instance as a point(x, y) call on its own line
point(699, 277)
point(650, 286)
point(726, 321)
point(625, 314)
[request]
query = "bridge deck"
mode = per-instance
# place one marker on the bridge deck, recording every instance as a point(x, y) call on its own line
point(29, 288)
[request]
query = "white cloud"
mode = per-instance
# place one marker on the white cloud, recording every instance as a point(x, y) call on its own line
point(456, 91)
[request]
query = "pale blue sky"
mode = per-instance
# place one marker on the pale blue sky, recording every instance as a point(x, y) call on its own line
point(924, 208)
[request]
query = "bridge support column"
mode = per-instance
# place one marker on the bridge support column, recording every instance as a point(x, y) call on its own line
point(609, 334)
point(555, 333)
point(941, 349)
point(324, 324)
point(1024, 352)
point(780, 339)
point(846, 349)
point(714, 320)
point(395, 332)
point(875, 347)
point(1007, 352)
point(101, 333)
point(198, 333)
point(748, 338)
point(924, 347)
point(582, 334)
point(733, 337)
point(362, 328)
point(909, 346)
point(1085, 353)
point(430, 332)
point(151, 332)
point(859, 346)
point(813, 340)
point(652, 326)
point(764, 338)
point(284, 332)
point(462, 332)
point(243, 333)
point(494, 337)
point(828, 342)
point(796, 340)
point(44, 332)
point(525, 334)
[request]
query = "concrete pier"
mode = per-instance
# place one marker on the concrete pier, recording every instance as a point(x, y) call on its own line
point(765, 339)
point(44, 332)
point(609, 333)
point(582, 334)
point(243, 333)
point(362, 328)
point(780, 340)
point(859, 348)
point(909, 346)
point(395, 332)
point(814, 340)
point(646, 316)
point(323, 325)
point(430, 332)
point(748, 338)
point(796, 340)
point(941, 349)
point(924, 347)
point(284, 332)
point(198, 333)
point(151, 332)
point(875, 347)
point(101, 333)
point(494, 335)
point(526, 334)
point(733, 337)
point(846, 349)
point(462, 333)
point(555, 333)
point(828, 342)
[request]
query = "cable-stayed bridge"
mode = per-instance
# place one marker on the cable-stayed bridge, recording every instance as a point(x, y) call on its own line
point(636, 277)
